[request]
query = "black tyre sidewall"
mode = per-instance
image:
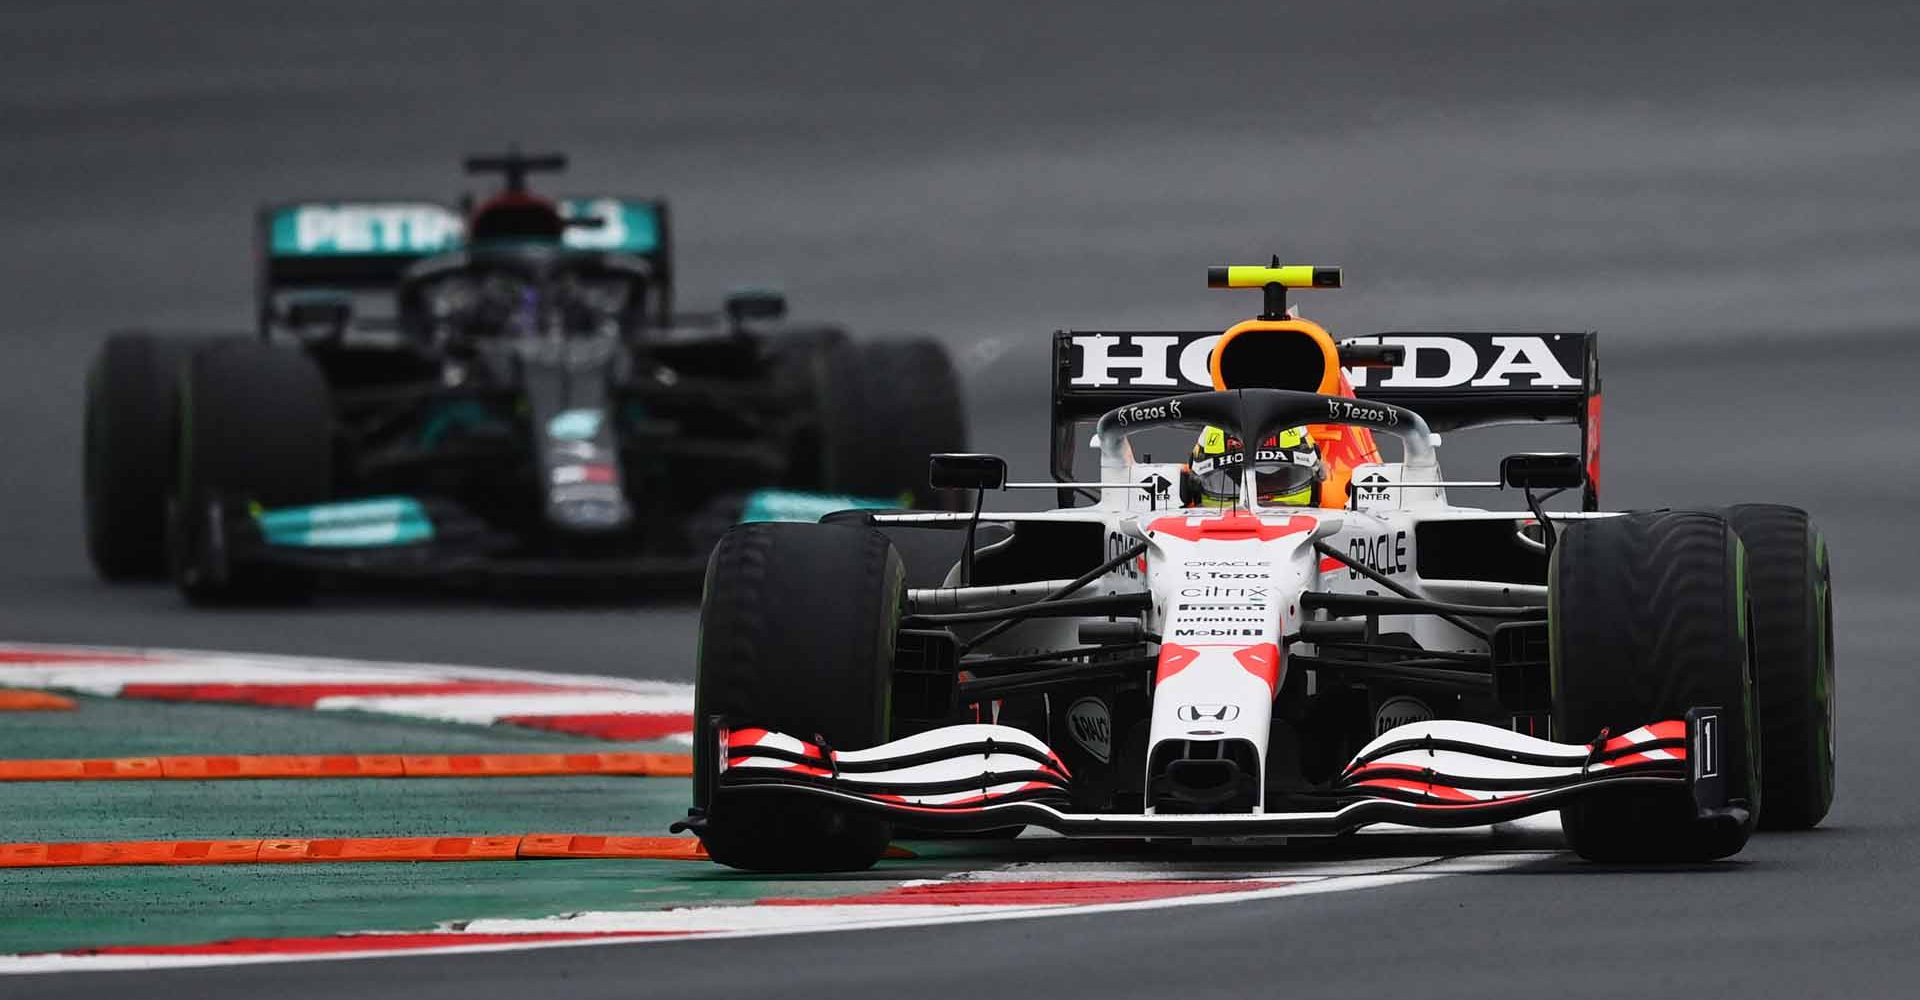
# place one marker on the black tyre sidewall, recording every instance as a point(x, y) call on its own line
point(797, 628)
point(1793, 661)
point(886, 406)
point(1649, 616)
point(255, 427)
point(802, 367)
point(129, 459)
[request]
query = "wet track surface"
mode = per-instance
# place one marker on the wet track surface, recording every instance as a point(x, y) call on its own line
point(1737, 224)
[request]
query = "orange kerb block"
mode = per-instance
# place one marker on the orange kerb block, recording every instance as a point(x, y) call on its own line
point(274, 851)
point(42, 770)
point(353, 849)
point(575, 845)
point(287, 766)
point(132, 852)
point(217, 767)
point(567, 845)
point(121, 769)
point(652, 765)
point(34, 701)
point(117, 769)
point(483, 765)
point(214, 852)
point(391, 849)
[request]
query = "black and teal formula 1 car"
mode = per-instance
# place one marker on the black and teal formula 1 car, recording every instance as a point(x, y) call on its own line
point(500, 390)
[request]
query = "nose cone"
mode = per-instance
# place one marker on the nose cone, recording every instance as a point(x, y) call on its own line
point(1228, 583)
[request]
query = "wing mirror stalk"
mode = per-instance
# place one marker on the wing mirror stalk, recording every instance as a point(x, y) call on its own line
point(1552, 472)
point(747, 306)
point(968, 471)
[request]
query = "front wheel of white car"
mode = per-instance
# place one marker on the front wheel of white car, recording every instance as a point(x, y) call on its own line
point(797, 627)
point(1649, 618)
point(1793, 660)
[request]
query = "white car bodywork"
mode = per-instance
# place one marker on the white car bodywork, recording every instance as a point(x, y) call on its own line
point(1225, 614)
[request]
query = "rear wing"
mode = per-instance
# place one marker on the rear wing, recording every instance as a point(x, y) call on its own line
point(361, 246)
point(1455, 380)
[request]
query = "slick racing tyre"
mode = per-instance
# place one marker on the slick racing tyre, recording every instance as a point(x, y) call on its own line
point(797, 629)
point(1648, 618)
point(806, 366)
point(1793, 661)
point(256, 427)
point(129, 459)
point(890, 404)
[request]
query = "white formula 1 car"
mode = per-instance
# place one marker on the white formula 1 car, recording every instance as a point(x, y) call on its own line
point(1144, 666)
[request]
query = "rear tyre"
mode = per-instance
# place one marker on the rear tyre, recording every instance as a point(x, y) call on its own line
point(797, 629)
point(1793, 661)
point(1648, 619)
point(256, 427)
point(129, 461)
point(888, 405)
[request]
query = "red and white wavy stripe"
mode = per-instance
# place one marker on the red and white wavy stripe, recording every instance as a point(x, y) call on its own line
point(959, 766)
point(603, 707)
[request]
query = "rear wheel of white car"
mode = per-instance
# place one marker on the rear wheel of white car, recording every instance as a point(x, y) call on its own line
point(797, 628)
point(1793, 661)
point(256, 427)
point(1649, 619)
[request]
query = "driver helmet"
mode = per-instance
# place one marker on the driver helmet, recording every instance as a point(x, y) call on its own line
point(1287, 468)
point(516, 217)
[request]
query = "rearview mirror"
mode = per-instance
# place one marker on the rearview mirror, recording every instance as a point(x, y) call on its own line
point(756, 303)
point(318, 315)
point(1543, 471)
point(1372, 355)
point(967, 471)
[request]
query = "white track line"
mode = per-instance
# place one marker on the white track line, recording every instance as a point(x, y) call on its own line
point(237, 667)
point(731, 922)
point(485, 708)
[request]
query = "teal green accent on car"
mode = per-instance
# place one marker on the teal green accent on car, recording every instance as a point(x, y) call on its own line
point(625, 226)
point(350, 525)
point(575, 425)
point(795, 505)
point(454, 415)
point(418, 229)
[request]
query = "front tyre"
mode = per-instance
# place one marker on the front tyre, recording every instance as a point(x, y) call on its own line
point(129, 459)
point(1793, 661)
point(1649, 618)
point(256, 427)
point(797, 628)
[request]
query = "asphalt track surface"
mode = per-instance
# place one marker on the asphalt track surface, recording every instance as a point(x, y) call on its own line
point(1724, 190)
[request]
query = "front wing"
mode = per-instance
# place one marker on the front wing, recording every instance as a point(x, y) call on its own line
point(1435, 774)
point(406, 538)
point(402, 539)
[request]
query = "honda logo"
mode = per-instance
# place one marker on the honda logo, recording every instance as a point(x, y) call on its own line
point(1209, 713)
point(1178, 361)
